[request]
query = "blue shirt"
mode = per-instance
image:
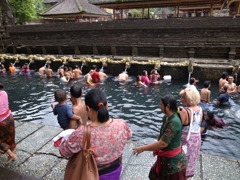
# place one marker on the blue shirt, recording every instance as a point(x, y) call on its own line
point(224, 99)
point(64, 113)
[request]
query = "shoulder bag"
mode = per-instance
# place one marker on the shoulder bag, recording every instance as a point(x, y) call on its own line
point(82, 166)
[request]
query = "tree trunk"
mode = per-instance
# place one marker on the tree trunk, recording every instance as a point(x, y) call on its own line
point(6, 13)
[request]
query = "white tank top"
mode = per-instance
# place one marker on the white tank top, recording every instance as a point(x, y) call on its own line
point(196, 124)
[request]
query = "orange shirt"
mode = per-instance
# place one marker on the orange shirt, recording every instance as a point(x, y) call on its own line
point(12, 69)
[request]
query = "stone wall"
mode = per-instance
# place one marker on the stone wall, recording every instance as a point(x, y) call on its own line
point(205, 37)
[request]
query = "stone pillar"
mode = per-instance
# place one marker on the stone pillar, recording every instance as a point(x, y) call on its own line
point(95, 50)
point(161, 51)
point(134, 51)
point(60, 51)
point(44, 51)
point(232, 53)
point(191, 52)
point(113, 50)
point(76, 50)
point(14, 50)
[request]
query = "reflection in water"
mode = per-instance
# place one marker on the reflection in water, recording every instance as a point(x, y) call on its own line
point(30, 98)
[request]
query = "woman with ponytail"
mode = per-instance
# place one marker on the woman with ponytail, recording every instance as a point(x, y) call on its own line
point(108, 136)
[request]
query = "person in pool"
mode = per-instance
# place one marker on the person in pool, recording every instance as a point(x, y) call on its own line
point(25, 68)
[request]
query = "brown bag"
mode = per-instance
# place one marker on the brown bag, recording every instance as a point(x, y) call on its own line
point(82, 166)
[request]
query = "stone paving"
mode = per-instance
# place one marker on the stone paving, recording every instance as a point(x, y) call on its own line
point(38, 159)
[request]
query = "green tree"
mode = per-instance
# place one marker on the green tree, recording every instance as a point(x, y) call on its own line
point(25, 10)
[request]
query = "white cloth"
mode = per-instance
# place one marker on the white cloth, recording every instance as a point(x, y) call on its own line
point(63, 135)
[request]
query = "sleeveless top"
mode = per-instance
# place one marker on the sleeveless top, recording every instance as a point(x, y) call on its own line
point(196, 123)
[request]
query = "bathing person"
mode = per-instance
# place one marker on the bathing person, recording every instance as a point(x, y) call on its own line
point(223, 80)
point(108, 136)
point(95, 75)
point(78, 105)
point(238, 90)
point(2, 68)
point(193, 83)
point(139, 82)
point(171, 160)
point(88, 78)
point(232, 89)
point(191, 120)
point(70, 72)
point(154, 77)
point(63, 78)
point(102, 75)
point(144, 77)
point(123, 76)
point(7, 128)
point(25, 68)
point(12, 68)
point(66, 73)
point(205, 92)
point(77, 72)
point(223, 99)
point(60, 70)
point(48, 71)
point(64, 111)
point(41, 70)
point(211, 121)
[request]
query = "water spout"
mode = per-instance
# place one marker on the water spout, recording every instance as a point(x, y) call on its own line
point(189, 76)
point(101, 70)
point(81, 67)
point(125, 70)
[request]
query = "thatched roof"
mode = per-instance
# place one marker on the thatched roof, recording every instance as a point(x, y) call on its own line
point(74, 8)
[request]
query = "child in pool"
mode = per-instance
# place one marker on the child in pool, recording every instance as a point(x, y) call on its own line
point(64, 111)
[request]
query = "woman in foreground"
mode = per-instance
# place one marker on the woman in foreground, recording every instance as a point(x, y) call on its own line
point(108, 137)
point(171, 160)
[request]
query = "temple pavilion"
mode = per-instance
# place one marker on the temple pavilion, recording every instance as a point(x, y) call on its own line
point(77, 10)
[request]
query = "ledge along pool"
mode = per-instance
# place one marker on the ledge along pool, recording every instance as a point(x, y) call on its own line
point(30, 97)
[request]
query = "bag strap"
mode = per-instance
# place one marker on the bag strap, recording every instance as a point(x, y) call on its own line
point(190, 126)
point(86, 138)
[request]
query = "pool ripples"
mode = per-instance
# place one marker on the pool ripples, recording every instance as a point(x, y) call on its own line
point(30, 98)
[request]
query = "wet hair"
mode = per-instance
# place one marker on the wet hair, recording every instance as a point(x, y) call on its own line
point(65, 68)
point(96, 99)
point(76, 66)
point(76, 91)
point(192, 80)
point(170, 100)
point(1, 86)
point(144, 71)
point(47, 66)
point(191, 96)
point(224, 75)
point(211, 120)
point(60, 95)
point(206, 84)
point(225, 88)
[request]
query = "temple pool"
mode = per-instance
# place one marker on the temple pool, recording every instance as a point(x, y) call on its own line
point(30, 97)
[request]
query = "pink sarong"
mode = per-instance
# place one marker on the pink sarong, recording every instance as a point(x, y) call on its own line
point(193, 149)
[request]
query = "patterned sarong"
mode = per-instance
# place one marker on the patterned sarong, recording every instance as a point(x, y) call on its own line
point(7, 134)
point(193, 148)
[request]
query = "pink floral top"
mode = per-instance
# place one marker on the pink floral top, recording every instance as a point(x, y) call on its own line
point(108, 141)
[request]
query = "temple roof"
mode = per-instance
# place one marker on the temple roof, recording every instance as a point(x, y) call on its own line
point(137, 4)
point(74, 8)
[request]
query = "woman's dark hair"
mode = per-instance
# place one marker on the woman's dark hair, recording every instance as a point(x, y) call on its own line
point(206, 84)
point(211, 120)
point(97, 100)
point(76, 91)
point(170, 99)
point(1, 86)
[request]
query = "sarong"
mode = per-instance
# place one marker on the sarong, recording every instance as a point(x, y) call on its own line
point(193, 149)
point(112, 175)
point(7, 134)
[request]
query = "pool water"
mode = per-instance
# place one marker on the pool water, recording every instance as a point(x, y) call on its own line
point(30, 98)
